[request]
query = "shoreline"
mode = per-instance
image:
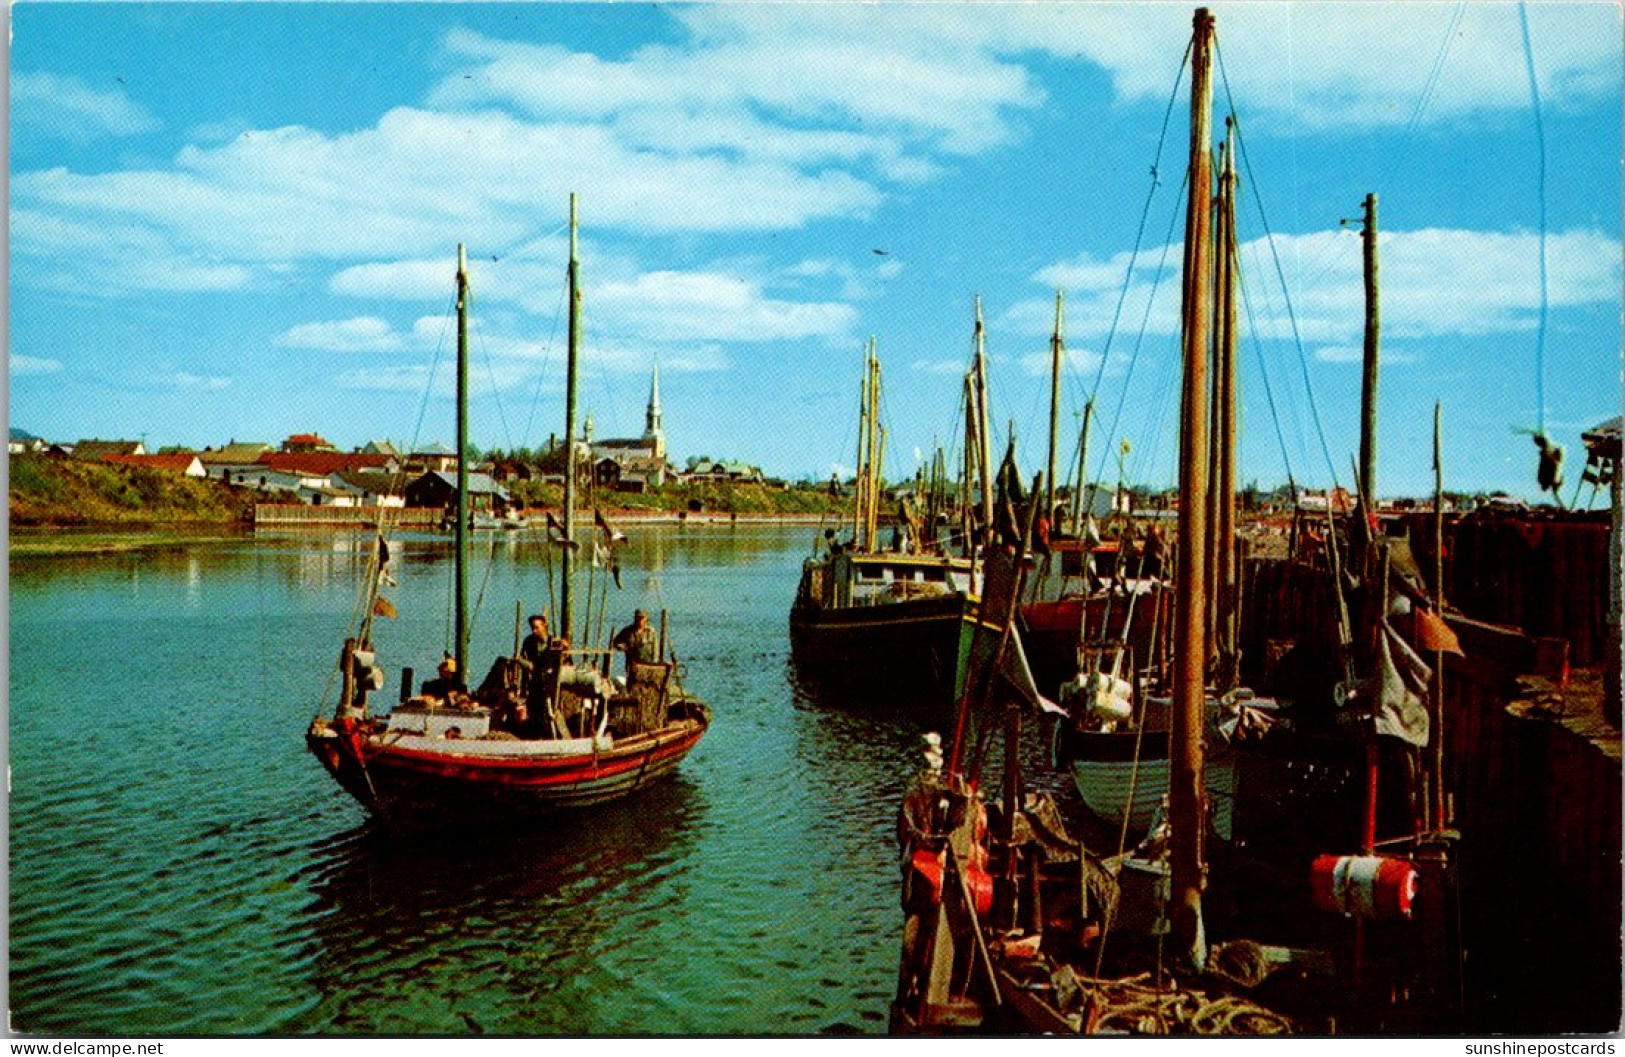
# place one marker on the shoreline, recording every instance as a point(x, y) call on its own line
point(127, 537)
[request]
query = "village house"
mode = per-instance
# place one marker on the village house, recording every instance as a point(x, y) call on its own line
point(430, 458)
point(231, 458)
point(438, 489)
point(181, 462)
point(370, 487)
point(307, 442)
point(93, 450)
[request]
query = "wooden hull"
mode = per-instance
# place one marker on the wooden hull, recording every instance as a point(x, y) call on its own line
point(916, 648)
point(408, 785)
point(1104, 770)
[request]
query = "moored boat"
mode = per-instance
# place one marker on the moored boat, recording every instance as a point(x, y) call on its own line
point(547, 729)
point(883, 621)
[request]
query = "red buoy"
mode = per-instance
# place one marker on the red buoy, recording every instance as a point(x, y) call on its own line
point(1364, 886)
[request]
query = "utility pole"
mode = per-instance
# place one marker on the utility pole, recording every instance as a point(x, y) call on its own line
point(1368, 378)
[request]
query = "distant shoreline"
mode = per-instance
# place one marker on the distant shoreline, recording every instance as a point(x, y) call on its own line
point(124, 537)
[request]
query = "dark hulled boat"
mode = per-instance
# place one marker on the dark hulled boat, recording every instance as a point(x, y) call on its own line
point(895, 622)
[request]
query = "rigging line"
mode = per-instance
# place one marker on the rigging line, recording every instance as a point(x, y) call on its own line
point(1438, 68)
point(1145, 213)
point(1139, 340)
point(1280, 272)
point(1288, 401)
point(1263, 373)
point(1540, 146)
point(496, 393)
point(428, 388)
point(547, 352)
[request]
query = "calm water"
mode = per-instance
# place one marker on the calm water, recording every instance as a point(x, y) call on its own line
point(180, 864)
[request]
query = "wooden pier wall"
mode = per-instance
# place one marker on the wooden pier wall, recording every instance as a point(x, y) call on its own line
point(1532, 768)
point(300, 514)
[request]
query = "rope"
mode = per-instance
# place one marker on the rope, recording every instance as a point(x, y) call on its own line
point(1438, 68)
point(1540, 145)
point(1139, 341)
point(1145, 213)
point(1280, 272)
point(1264, 374)
point(547, 351)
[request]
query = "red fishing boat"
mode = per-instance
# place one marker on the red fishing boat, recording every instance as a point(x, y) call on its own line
point(546, 729)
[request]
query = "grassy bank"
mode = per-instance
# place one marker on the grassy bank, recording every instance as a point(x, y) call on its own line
point(708, 497)
point(53, 491)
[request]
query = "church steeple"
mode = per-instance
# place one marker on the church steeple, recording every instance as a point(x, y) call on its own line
point(653, 434)
point(651, 425)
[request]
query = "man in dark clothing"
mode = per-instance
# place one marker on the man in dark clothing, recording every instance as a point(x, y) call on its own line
point(536, 643)
point(541, 656)
point(446, 682)
point(638, 641)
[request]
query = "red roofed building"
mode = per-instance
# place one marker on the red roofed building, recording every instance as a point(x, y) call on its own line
point(323, 463)
point(177, 462)
point(307, 442)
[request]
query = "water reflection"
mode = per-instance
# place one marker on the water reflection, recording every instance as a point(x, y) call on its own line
point(499, 931)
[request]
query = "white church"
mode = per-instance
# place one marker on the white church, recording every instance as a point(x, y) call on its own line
point(632, 464)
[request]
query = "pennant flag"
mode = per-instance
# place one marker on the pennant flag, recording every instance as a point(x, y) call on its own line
point(555, 533)
point(383, 607)
point(615, 571)
point(611, 535)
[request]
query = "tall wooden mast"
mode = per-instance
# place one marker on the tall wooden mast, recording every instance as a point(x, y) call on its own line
point(460, 535)
point(1190, 586)
point(1079, 513)
point(1224, 529)
point(1057, 348)
point(570, 425)
point(984, 454)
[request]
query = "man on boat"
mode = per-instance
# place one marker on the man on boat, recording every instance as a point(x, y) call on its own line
point(542, 656)
point(637, 639)
point(446, 684)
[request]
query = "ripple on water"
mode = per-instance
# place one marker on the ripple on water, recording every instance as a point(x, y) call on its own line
point(180, 865)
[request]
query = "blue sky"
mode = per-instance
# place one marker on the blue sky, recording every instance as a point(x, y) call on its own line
point(241, 221)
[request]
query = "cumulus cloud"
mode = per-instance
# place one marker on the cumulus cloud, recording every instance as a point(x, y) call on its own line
point(210, 383)
point(361, 334)
point(1434, 282)
point(709, 305)
point(48, 104)
point(24, 365)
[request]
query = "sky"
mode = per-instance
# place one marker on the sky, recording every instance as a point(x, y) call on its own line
point(241, 221)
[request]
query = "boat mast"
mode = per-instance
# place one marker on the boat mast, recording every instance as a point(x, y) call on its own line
point(1367, 484)
point(877, 449)
point(460, 538)
point(860, 481)
point(570, 426)
point(967, 515)
point(1057, 348)
point(1190, 587)
point(1224, 528)
point(1078, 511)
point(983, 454)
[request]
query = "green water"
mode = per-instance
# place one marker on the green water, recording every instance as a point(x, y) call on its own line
point(181, 865)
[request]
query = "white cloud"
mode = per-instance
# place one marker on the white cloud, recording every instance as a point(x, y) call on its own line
point(211, 383)
point(709, 305)
point(66, 107)
point(945, 367)
point(21, 365)
point(361, 334)
point(1434, 282)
